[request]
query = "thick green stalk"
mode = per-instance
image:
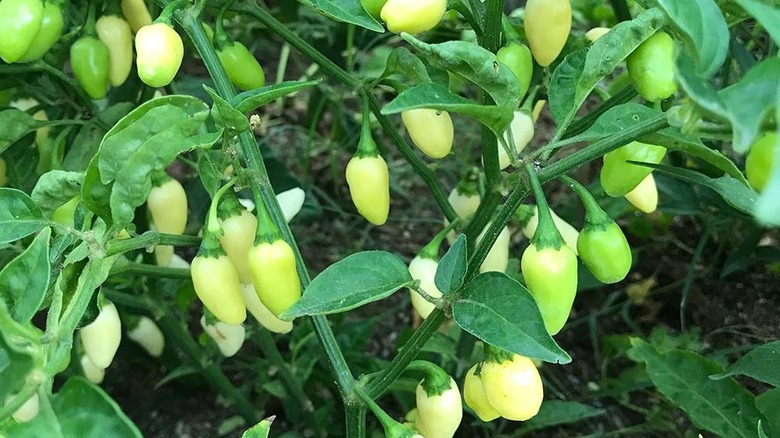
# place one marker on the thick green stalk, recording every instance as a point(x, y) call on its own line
point(149, 270)
point(264, 193)
point(148, 239)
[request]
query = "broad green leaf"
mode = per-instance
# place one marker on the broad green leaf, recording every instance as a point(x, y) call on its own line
point(55, 188)
point(501, 312)
point(253, 99)
point(769, 405)
point(558, 412)
point(626, 115)
point(24, 281)
point(452, 268)
point(259, 430)
point(356, 280)
point(232, 120)
point(734, 192)
point(16, 124)
point(19, 216)
point(761, 363)
point(85, 145)
point(575, 77)
point(704, 31)
point(722, 407)
point(768, 16)
point(20, 355)
point(402, 61)
point(346, 11)
point(699, 91)
point(429, 95)
point(767, 208)
point(81, 409)
point(473, 63)
point(751, 101)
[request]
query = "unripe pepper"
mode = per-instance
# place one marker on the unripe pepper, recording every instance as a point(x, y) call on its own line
point(261, 313)
point(645, 195)
point(413, 16)
point(116, 35)
point(160, 51)
point(368, 179)
point(522, 131)
point(167, 204)
point(238, 226)
point(102, 336)
point(423, 268)
point(28, 410)
point(619, 177)
point(90, 61)
point(431, 130)
point(439, 408)
point(50, 31)
point(518, 58)
point(512, 386)
point(216, 283)
point(497, 258)
point(145, 333)
point(65, 212)
point(602, 245)
point(547, 27)
point(465, 200)
point(241, 66)
point(20, 21)
point(274, 274)
point(760, 160)
point(529, 220)
point(596, 33)
point(136, 13)
point(651, 67)
point(475, 398)
point(549, 267)
point(92, 372)
point(228, 337)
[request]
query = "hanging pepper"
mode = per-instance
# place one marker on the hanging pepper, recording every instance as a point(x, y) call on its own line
point(618, 176)
point(241, 66)
point(439, 409)
point(115, 33)
point(645, 195)
point(52, 23)
point(547, 27)
point(431, 130)
point(90, 60)
point(368, 178)
point(512, 384)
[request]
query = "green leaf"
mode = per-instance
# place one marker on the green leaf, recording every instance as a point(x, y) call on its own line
point(747, 115)
point(734, 192)
point(768, 16)
point(19, 216)
point(16, 124)
point(722, 407)
point(429, 95)
point(81, 409)
point(559, 412)
point(86, 143)
point(501, 312)
point(402, 61)
point(146, 140)
point(703, 30)
point(21, 355)
point(452, 268)
point(356, 280)
point(55, 188)
point(24, 281)
point(473, 63)
point(575, 77)
point(259, 430)
point(761, 363)
point(769, 405)
point(232, 120)
point(253, 99)
point(346, 11)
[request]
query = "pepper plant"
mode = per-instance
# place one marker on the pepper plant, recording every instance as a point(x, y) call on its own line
point(99, 231)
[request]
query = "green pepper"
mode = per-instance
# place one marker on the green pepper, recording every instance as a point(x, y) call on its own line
point(20, 21)
point(90, 60)
point(619, 177)
point(518, 58)
point(52, 24)
point(242, 68)
point(651, 67)
point(759, 162)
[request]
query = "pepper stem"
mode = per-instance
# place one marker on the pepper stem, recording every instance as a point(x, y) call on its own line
point(431, 250)
point(547, 234)
point(212, 221)
point(366, 146)
point(392, 428)
point(267, 231)
point(89, 26)
point(166, 15)
point(595, 216)
point(497, 355)
point(436, 380)
point(221, 38)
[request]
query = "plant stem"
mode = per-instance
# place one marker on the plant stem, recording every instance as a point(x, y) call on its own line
point(621, 10)
point(149, 270)
point(148, 239)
